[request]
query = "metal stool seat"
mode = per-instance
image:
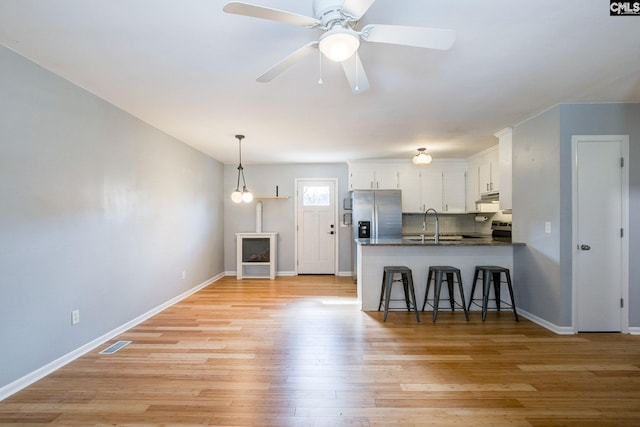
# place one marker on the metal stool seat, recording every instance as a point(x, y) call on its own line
point(407, 284)
point(492, 274)
point(451, 274)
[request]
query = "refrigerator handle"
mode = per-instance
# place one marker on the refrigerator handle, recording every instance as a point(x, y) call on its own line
point(374, 222)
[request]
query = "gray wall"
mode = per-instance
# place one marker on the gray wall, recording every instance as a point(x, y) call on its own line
point(100, 212)
point(542, 186)
point(279, 215)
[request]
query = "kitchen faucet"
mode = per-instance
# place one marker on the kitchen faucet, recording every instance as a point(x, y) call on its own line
point(436, 234)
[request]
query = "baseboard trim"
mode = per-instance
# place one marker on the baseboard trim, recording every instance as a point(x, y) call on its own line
point(560, 330)
point(278, 273)
point(286, 273)
point(345, 273)
point(635, 330)
point(51, 367)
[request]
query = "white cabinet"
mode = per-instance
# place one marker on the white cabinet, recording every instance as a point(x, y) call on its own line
point(387, 176)
point(489, 171)
point(440, 185)
point(473, 183)
point(453, 188)
point(410, 184)
point(421, 187)
point(431, 187)
point(505, 143)
point(373, 176)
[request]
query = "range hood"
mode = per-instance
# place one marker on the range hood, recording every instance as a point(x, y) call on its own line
point(492, 196)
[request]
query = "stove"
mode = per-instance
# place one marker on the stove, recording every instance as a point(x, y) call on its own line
point(501, 229)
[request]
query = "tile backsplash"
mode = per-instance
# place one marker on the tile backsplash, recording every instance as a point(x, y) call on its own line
point(452, 223)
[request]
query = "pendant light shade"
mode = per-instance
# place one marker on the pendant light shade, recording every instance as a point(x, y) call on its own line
point(243, 195)
point(422, 158)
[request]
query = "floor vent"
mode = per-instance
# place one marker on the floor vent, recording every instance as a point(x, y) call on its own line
point(115, 347)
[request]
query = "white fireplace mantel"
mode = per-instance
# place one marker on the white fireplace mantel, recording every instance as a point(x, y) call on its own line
point(262, 263)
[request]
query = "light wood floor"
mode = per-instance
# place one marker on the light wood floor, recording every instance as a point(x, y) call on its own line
point(297, 352)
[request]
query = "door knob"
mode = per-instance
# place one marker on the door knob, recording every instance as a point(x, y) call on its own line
point(585, 247)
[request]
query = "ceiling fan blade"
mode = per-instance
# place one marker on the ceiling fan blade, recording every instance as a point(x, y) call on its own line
point(355, 74)
point(287, 62)
point(357, 8)
point(246, 9)
point(430, 38)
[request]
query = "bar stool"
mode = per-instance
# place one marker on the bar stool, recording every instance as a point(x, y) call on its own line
point(449, 273)
point(492, 273)
point(407, 284)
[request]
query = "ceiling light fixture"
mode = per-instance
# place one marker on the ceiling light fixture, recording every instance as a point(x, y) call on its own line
point(245, 195)
point(422, 158)
point(339, 44)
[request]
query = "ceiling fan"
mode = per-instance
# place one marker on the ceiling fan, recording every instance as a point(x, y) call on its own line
point(340, 38)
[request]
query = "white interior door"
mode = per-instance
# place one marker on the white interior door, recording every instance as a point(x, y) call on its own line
point(316, 228)
point(598, 225)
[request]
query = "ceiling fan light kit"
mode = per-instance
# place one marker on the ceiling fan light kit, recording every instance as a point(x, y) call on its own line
point(422, 158)
point(339, 42)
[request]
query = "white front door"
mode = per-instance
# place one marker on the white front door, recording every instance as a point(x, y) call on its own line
point(599, 233)
point(316, 226)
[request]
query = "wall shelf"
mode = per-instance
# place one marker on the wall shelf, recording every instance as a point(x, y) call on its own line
point(270, 197)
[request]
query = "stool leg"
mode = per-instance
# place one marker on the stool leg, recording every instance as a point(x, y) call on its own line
point(384, 281)
point(486, 284)
point(436, 294)
point(473, 288)
point(413, 296)
point(387, 290)
point(426, 294)
point(513, 302)
point(496, 288)
point(405, 286)
point(460, 288)
point(450, 288)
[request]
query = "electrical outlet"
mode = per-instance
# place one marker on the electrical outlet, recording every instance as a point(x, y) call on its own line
point(547, 227)
point(75, 317)
point(184, 274)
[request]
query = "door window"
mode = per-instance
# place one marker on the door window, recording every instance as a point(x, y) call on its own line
point(316, 196)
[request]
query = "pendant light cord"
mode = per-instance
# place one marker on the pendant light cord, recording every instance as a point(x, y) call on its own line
point(240, 168)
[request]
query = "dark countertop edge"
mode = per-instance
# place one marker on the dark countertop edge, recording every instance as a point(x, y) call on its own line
point(462, 242)
point(472, 234)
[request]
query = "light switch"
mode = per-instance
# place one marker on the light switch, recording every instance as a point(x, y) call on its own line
point(547, 227)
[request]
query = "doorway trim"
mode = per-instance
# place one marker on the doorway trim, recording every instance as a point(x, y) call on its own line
point(624, 262)
point(336, 261)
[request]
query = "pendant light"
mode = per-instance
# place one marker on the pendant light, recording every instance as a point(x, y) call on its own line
point(422, 158)
point(245, 195)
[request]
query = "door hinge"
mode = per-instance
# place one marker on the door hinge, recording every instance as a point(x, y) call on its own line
point(621, 233)
point(621, 162)
point(621, 302)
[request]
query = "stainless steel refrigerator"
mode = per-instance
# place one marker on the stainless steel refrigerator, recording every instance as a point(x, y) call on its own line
point(377, 214)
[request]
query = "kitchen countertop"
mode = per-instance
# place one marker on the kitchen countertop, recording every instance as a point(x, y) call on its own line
point(444, 241)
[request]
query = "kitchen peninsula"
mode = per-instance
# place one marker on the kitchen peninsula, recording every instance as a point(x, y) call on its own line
point(419, 255)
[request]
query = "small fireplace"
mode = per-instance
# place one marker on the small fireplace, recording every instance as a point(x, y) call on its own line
point(256, 255)
point(255, 249)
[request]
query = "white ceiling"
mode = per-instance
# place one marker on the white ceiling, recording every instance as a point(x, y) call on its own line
point(189, 69)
